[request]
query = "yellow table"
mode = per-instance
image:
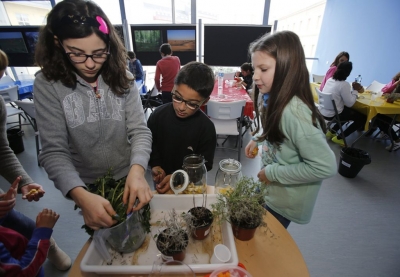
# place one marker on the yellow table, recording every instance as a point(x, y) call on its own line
point(314, 93)
point(370, 106)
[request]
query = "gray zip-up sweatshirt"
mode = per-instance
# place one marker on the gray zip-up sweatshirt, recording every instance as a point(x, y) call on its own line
point(83, 136)
point(10, 167)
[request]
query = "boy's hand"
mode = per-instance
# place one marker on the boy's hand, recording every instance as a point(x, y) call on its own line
point(32, 192)
point(158, 174)
point(6, 205)
point(47, 218)
point(164, 186)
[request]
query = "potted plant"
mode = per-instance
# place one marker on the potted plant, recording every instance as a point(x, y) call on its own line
point(172, 240)
point(199, 219)
point(242, 207)
point(129, 232)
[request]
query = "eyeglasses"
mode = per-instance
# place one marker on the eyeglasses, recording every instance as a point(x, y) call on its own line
point(178, 99)
point(82, 57)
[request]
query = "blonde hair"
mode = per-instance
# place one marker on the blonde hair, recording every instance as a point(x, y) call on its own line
point(3, 60)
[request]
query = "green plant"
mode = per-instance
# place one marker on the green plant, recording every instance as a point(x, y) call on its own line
point(173, 237)
point(113, 191)
point(242, 206)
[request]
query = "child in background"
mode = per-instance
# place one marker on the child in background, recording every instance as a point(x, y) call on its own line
point(18, 256)
point(295, 154)
point(135, 66)
point(180, 128)
point(166, 70)
point(341, 57)
point(88, 110)
point(246, 72)
point(389, 87)
point(345, 96)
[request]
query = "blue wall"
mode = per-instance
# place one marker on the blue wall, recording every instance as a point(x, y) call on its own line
point(369, 30)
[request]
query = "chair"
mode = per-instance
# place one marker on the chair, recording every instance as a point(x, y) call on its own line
point(375, 86)
point(326, 101)
point(10, 95)
point(318, 78)
point(227, 118)
point(6, 80)
point(151, 99)
point(28, 107)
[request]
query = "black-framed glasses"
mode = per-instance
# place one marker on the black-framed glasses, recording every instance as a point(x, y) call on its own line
point(178, 99)
point(82, 57)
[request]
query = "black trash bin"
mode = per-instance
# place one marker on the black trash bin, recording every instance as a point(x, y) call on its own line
point(15, 141)
point(352, 160)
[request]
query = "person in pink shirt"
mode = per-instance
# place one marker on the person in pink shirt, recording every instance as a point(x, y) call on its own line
point(389, 87)
point(341, 57)
point(166, 70)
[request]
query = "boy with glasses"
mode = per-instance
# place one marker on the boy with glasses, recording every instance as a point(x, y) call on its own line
point(180, 128)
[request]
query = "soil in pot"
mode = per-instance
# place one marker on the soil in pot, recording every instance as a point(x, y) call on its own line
point(201, 222)
point(166, 245)
point(243, 232)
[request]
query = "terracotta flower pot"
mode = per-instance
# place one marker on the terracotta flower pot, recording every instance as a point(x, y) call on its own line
point(204, 222)
point(176, 254)
point(243, 234)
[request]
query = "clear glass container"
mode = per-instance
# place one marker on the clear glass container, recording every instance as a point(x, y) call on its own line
point(195, 167)
point(228, 174)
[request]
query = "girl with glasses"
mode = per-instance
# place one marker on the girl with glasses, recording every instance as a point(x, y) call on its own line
point(89, 111)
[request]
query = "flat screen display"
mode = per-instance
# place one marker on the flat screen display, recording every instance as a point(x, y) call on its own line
point(227, 45)
point(182, 40)
point(12, 42)
point(148, 40)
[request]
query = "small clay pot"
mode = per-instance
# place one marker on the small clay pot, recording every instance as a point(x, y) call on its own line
point(243, 234)
point(204, 222)
point(178, 255)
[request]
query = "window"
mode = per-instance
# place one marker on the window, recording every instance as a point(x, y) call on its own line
point(22, 19)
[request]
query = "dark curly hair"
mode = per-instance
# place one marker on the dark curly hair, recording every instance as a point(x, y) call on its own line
point(51, 58)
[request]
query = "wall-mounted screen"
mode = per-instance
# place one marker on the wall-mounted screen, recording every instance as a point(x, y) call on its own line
point(227, 45)
point(182, 40)
point(12, 42)
point(147, 39)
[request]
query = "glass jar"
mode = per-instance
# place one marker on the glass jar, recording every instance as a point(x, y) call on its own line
point(228, 174)
point(192, 179)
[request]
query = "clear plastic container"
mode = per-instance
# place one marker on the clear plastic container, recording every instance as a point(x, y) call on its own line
point(228, 174)
point(235, 271)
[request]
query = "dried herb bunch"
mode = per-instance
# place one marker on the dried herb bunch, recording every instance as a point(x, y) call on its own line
point(242, 206)
point(113, 191)
point(174, 237)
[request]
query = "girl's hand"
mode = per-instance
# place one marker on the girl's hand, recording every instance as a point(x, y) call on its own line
point(32, 192)
point(96, 210)
point(136, 186)
point(262, 177)
point(164, 185)
point(7, 201)
point(251, 149)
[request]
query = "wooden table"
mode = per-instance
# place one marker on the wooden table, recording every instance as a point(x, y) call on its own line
point(272, 252)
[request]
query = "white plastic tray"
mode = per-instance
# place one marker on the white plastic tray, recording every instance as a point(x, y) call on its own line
point(196, 258)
